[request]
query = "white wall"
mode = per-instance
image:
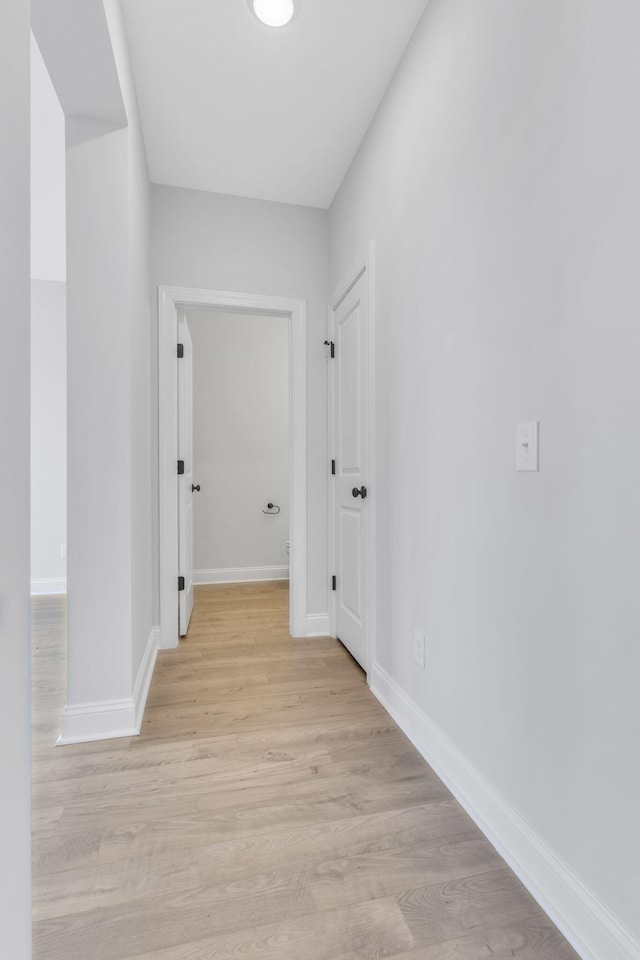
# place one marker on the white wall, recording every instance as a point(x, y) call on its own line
point(48, 334)
point(48, 226)
point(110, 643)
point(48, 436)
point(500, 184)
point(99, 624)
point(140, 321)
point(15, 726)
point(249, 246)
point(240, 440)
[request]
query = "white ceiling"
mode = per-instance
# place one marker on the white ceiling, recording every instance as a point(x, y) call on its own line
point(232, 106)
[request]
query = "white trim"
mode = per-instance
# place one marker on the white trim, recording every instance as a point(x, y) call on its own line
point(318, 625)
point(169, 299)
point(353, 274)
point(240, 575)
point(145, 673)
point(102, 720)
point(47, 588)
point(363, 264)
point(331, 486)
point(580, 915)
point(109, 719)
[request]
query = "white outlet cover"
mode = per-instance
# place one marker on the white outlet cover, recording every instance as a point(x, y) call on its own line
point(527, 459)
point(418, 647)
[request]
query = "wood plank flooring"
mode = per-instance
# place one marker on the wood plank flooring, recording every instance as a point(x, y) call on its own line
point(269, 810)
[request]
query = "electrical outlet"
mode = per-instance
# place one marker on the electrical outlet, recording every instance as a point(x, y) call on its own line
point(63, 551)
point(418, 648)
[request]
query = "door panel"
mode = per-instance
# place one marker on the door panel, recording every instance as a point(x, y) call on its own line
point(350, 595)
point(351, 439)
point(348, 339)
point(185, 493)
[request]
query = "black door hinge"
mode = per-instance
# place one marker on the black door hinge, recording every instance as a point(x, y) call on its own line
point(180, 583)
point(333, 582)
point(333, 468)
point(180, 467)
point(180, 351)
point(330, 343)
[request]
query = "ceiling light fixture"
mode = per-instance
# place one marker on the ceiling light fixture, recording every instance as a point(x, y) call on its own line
point(275, 13)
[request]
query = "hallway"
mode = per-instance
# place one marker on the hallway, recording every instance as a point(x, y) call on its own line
point(269, 809)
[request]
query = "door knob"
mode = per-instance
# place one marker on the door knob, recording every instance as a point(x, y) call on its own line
point(195, 487)
point(362, 492)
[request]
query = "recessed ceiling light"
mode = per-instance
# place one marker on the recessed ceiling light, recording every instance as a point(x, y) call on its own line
point(275, 13)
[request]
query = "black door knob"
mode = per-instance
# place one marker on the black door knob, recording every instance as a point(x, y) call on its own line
point(195, 487)
point(362, 492)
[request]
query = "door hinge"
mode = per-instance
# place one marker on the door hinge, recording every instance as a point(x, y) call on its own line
point(334, 582)
point(180, 583)
point(331, 344)
point(333, 468)
point(180, 467)
point(180, 351)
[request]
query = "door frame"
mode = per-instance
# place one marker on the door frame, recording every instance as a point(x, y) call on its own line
point(186, 479)
point(170, 299)
point(362, 265)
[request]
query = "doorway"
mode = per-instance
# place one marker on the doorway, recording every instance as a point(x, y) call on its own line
point(48, 335)
point(233, 437)
point(241, 446)
point(177, 302)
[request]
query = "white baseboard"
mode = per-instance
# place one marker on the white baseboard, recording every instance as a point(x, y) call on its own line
point(101, 720)
point(145, 673)
point(586, 922)
point(318, 625)
point(240, 575)
point(109, 719)
point(46, 588)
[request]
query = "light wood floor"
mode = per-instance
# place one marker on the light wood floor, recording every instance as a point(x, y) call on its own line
point(270, 810)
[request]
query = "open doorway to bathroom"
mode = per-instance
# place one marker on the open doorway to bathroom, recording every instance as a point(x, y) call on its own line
point(258, 344)
point(240, 446)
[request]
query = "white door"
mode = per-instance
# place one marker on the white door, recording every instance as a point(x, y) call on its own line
point(185, 474)
point(350, 389)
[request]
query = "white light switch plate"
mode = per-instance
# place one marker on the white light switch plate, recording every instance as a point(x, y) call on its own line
point(527, 446)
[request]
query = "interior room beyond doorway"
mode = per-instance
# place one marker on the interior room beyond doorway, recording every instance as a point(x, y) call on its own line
point(240, 446)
